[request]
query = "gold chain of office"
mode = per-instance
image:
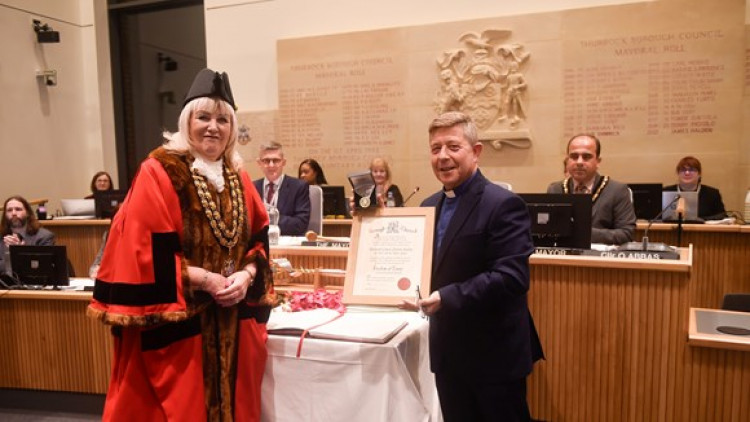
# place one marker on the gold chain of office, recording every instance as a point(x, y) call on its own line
point(597, 191)
point(226, 237)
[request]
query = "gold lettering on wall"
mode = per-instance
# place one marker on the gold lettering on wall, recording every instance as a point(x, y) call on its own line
point(680, 80)
point(343, 110)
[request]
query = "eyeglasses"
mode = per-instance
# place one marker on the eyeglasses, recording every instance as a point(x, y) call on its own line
point(269, 161)
point(688, 170)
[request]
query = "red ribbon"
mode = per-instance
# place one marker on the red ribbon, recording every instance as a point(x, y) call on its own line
point(304, 333)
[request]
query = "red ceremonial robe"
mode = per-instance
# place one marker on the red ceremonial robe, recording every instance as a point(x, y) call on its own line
point(177, 355)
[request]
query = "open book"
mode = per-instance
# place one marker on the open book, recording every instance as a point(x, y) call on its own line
point(327, 324)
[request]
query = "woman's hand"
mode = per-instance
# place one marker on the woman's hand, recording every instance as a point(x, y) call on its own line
point(353, 207)
point(236, 286)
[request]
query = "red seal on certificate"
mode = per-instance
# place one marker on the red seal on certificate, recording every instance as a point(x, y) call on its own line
point(404, 283)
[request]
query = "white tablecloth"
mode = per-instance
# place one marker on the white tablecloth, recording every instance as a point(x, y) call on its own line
point(346, 381)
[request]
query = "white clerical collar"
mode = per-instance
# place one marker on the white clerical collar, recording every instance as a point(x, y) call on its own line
point(213, 171)
point(450, 193)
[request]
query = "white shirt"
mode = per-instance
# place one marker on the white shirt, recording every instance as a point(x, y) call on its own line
point(276, 187)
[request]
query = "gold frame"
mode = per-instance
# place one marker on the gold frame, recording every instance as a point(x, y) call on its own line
point(428, 220)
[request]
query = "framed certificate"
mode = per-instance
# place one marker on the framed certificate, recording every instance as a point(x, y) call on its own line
point(390, 256)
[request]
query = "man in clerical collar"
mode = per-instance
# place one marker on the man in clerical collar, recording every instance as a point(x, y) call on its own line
point(291, 196)
point(19, 226)
point(483, 343)
point(612, 214)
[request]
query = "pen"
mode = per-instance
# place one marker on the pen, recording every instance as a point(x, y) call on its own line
point(419, 302)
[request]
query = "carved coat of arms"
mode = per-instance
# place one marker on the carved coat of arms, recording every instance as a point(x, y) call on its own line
point(485, 80)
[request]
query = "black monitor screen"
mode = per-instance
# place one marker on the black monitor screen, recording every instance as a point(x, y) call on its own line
point(646, 199)
point(334, 201)
point(40, 265)
point(106, 202)
point(559, 220)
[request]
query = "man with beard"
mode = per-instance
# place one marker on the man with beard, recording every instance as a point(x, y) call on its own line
point(612, 214)
point(19, 226)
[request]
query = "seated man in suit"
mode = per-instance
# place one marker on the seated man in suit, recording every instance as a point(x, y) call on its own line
point(19, 226)
point(612, 213)
point(289, 195)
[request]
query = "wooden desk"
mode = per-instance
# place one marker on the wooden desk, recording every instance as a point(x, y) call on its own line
point(337, 228)
point(721, 254)
point(48, 343)
point(615, 335)
point(82, 239)
point(703, 333)
point(311, 258)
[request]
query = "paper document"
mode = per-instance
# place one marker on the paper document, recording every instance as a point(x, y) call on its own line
point(327, 324)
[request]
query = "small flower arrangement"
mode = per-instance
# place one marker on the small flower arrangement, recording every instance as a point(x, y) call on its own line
point(296, 301)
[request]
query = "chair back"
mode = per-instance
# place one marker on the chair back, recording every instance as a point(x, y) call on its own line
point(316, 209)
point(736, 302)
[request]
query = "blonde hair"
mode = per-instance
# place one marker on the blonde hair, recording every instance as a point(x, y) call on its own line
point(180, 140)
point(380, 162)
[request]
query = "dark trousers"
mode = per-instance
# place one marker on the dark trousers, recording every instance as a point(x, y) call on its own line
point(464, 399)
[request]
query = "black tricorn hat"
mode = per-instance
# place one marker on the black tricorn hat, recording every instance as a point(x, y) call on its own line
point(208, 83)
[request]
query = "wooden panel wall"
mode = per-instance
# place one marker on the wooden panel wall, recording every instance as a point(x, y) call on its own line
point(616, 347)
point(49, 343)
point(82, 240)
point(721, 257)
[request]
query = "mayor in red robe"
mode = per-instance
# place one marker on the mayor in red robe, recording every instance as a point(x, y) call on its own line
point(185, 279)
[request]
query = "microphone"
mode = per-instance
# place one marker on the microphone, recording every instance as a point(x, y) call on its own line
point(680, 209)
point(643, 245)
point(410, 195)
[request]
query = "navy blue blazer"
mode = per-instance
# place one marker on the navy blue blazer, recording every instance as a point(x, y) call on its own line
point(483, 328)
point(293, 204)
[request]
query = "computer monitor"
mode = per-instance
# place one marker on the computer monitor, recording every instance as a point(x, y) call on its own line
point(669, 204)
point(646, 200)
point(334, 201)
point(559, 220)
point(107, 202)
point(40, 265)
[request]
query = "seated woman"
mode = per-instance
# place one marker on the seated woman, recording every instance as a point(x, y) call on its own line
point(381, 172)
point(710, 205)
point(311, 172)
point(101, 181)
